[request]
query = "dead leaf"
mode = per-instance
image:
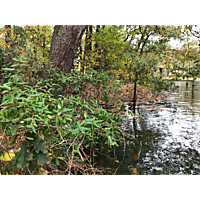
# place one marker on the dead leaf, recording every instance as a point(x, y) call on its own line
point(133, 171)
point(45, 172)
point(136, 157)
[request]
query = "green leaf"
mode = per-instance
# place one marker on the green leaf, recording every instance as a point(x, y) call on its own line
point(22, 157)
point(46, 120)
point(29, 138)
point(85, 114)
point(29, 119)
point(16, 59)
point(67, 110)
point(39, 118)
point(21, 104)
point(32, 128)
point(3, 112)
point(41, 158)
point(88, 108)
point(62, 158)
point(41, 146)
point(57, 162)
point(57, 120)
point(20, 70)
point(75, 131)
point(5, 91)
point(60, 130)
point(16, 90)
point(5, 87)
point(8, 69)
point(11, 98)
point(13, 130)
point(5, 102)
point(24, 64)
point(69, 119)
point(59, 106)
point(32, 166)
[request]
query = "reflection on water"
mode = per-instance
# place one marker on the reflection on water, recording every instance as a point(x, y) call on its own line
point(169, 136)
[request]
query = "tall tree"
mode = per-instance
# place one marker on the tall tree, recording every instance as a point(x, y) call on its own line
point(64, 45)
point(145, 39)
point(87, 46)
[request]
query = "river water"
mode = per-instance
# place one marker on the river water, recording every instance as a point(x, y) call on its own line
point(168, 136)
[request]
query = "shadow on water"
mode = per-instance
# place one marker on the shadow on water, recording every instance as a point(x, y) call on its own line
point(168, 135)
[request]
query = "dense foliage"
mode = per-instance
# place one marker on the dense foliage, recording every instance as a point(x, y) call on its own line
point(52, 122)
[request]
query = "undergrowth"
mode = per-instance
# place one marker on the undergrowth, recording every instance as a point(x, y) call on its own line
point(57, 124)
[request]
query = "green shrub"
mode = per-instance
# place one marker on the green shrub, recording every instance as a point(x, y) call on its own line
point(69, 124)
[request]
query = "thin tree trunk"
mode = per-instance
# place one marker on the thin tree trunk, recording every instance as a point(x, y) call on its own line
point(44, 46)
point(90, 38)
point(64, 45)
point(86, 48)
point(102, 60)
point(135, 92)
point(81, 58)
point(97, 50)
point(97, 32)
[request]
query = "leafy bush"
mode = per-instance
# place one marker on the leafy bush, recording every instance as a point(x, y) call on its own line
point(94, 85)
point(62, 128)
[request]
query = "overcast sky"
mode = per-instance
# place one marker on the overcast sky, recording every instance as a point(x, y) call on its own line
point(176, 43)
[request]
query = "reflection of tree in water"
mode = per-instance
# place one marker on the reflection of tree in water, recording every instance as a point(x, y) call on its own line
point(164, 150)
point(148, 141)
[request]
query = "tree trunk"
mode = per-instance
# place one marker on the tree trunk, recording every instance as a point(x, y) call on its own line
point(81, 57)
point(135, 94)
point(97, 31)
point(90, 38)
point(64, 45)
point(86, 48)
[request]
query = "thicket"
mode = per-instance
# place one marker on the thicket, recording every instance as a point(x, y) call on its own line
point(54, 120)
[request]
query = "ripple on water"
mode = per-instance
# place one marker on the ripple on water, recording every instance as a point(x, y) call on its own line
point(171, 134)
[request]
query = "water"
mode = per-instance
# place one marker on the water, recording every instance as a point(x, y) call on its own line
point(168, 136)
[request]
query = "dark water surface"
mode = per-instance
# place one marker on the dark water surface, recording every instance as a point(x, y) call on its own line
point(168, 135)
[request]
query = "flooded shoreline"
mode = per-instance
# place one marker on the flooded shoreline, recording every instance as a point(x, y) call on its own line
point(168, 135)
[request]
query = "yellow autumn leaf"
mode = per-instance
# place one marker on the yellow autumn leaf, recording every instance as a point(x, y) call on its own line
point(133, 171)
point(7, 156)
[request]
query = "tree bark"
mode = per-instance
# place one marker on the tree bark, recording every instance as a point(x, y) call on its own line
point(64, 45)
point(90, 38)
